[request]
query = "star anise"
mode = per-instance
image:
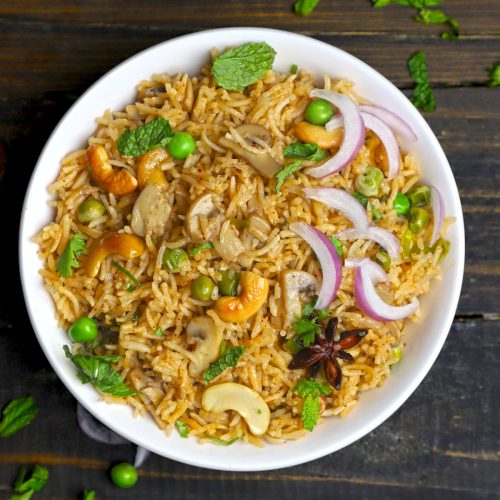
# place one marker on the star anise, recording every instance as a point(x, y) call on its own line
point(324, 351)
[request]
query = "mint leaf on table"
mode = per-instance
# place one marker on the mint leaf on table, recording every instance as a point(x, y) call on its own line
point(69, 258)
point(17, 414)
point(417, 4)
point(305, 7)
point(428, 16)
point(422, 96)
point(26, 487)
point(98, 371)
point(282, 175)
point(310, 390)
point(151, 135)
point(88, 495)
point(227, 360)
point(310, 152)
point(239, 67)
point(494, 73)
point(182, 428)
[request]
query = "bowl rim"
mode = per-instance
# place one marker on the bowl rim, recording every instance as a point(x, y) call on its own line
point(290, 460)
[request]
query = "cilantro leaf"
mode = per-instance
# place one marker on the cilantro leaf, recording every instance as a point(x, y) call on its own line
point(149, 136)
point(199, 248)
point(182, 428)
point(98, 371)
point(17, 414)
point(88, 495)
point(222, 441)
point(494, 73)
point(306, 329)
point(310, 390)
point(422, 97)
point(239, 67)
point(228, 359)
point(26, 487)
point(69, 258)
point(428, 16)
point(304, 151)
point(305, 7)
point(286, 172)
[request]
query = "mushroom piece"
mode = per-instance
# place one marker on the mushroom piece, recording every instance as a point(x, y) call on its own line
point(259, 227)
point(295, 285)
point(228, 245)
point(263, 162)
point(203, 332)
point(203, 219)
point(151, 211)
point(248, 403)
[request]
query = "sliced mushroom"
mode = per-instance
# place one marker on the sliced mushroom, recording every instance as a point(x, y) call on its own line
point(248, 403)
point(151, 211)
point(203, 218)
point(296, 285)
point(228, 245)
point(203, 332)
point(263, 162)
point(259, 227)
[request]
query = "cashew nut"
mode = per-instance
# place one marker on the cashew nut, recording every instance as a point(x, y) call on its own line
point(264, 163)
point(148, 168)
point(151, 211)
point(203, 219)
point(254, 290)
point(117, 181)
point(316, 134)
point(248, 403)
point(294, 284)
point(128, 246)
point(203, 331)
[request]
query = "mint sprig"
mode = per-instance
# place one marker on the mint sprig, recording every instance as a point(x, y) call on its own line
point(227, 360)
point(151, 135)
point(17, 414)
point(422, 96)
point(305, 7)
point(26, 487)
point(311, 391)
point(304, 151)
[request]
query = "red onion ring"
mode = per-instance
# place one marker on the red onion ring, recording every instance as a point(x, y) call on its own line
point(392, 120)
point(387, 138)
point(377, 234)
point(329, 260)
point(438, 211)
point(92, 428)
point(353, 137)
point(340, 200)
point(376, 270)
point(366, 275)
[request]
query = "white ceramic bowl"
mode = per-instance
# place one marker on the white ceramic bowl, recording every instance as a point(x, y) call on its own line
point(188, 53)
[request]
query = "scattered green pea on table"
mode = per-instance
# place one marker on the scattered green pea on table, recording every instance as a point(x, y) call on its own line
point(124, 475)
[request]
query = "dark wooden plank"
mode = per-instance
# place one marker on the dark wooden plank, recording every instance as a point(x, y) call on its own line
point(432, 447)
point(331, 16)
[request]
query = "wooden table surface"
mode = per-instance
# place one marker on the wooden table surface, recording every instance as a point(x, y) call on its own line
point(445, 441)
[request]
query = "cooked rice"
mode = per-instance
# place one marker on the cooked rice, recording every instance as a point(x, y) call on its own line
point(158, 366)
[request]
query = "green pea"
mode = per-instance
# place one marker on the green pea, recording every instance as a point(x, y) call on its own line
point(90, 209)
point(384, 260)
point(228, 285)
point(181, 145)
point(407, 242)
point(318, 112)
point(172, 257)
point(398, 354)
point(401, 204)
point(419, 218)
point(419, 196)
point(368, 183)
point(202, 288)
point(83, 330)
point(124, 475)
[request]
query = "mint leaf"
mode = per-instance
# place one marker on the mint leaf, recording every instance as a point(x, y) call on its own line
point(199, 248)
point(417, 4)
point(241, 66)
point(88, 495)
point(304, 151)
point(26, 487)
point(17, 414)
point(310, 390)
point(149, 136)
point(286, 172)
point(228, 359)
point(306, 387)
point(69, 258)
point(494, 73)
point(422, 97)
point(182, 428)
point(305, 7)
point(98, 371)
point(427, 16)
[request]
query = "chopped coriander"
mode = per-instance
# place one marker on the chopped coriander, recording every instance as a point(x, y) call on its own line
point(151, 135)
point(361, 198)
point(26, 487)
point(69, 258)
point(338, 246)
point(305, 7)
point(306, 329)
point(302, 151)
point(422, 96)
point(129, 275)
point(241, 66)
point(227, 360)
point(182, 428)
point(222, 441)
point(200, 248)
point(287, 172)
point(158, 332)
point(293, 69)
point(494, 73)
point(17, 414)
point(311, 391)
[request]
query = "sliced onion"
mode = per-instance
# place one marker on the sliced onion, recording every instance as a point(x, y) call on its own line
point(340, 200)
point(366, 276)
point(438, 211)
point(376, 270)
point(141, 456)
point(353, 137)
point(387, 138)
point(381, 236)
point(329, 259)
point(95, 430)
point(392, 120)
point(336, 122)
